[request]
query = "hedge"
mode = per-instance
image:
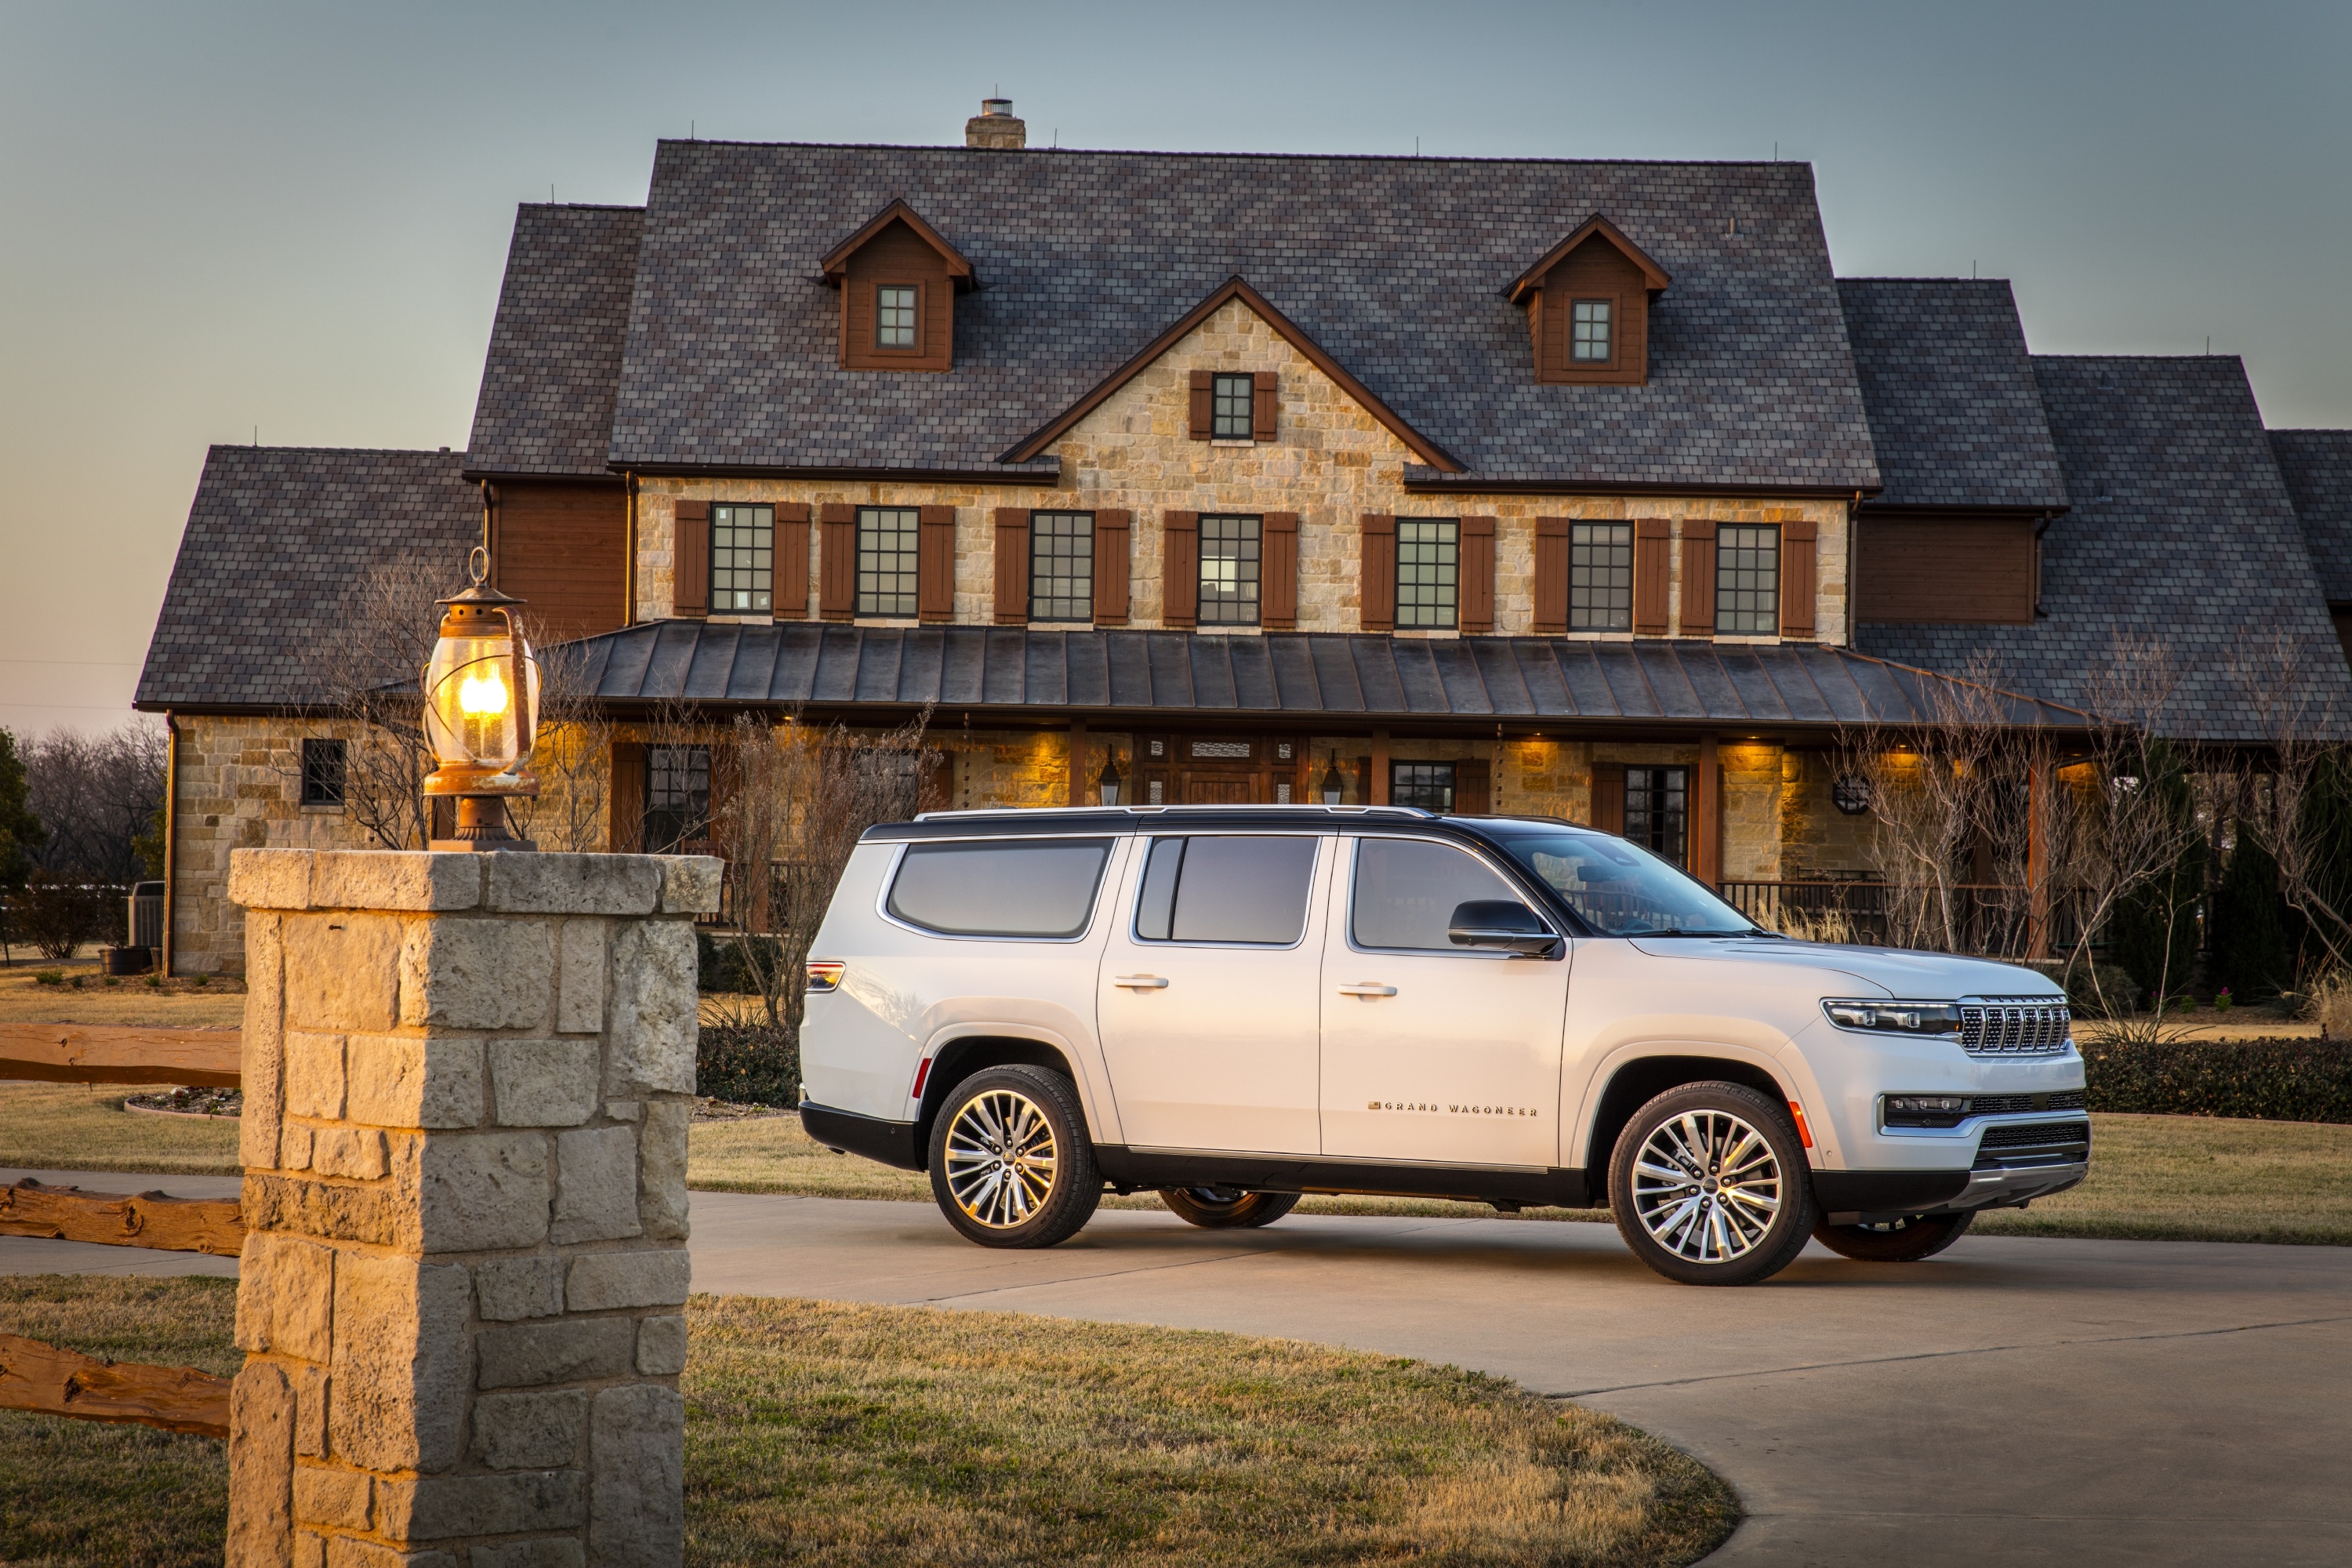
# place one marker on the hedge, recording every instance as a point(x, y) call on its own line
point(750, 1064)
point(2272, 1080)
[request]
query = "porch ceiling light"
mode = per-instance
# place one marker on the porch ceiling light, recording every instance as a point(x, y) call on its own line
point(481, 712)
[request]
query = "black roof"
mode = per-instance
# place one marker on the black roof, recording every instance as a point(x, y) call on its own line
point(1300, 674)
point(1396, 266)
point(1954, 409)
point(279, 542)
point(2317, 468)
point(2182, 538)
point(1029, 821)
point(554, 361)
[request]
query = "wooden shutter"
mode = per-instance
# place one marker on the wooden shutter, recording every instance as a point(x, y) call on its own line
point(837, 561)
point(1551, 575)
point(1608, 796)
point(935, 564)
point(792, 561)
point(1377, 591)
point(689, 559)
point(1698, 577)
point(1012, 567)
point(1180, 586)
point(1204, 410)
point(1262, 406)
point(1473, 788)
point(1652, 576)
point(625, 833)
point(1474, 576)
point(1113, 529)
point(1277, 589)
point(1798, 568)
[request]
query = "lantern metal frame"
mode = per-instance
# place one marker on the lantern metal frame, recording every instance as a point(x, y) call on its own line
point(480, 612)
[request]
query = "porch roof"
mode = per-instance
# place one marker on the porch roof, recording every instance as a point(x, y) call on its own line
point(1012, 669)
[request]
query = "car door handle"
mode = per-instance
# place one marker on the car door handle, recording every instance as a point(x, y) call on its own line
point(1366, 990)
point(1141, 982)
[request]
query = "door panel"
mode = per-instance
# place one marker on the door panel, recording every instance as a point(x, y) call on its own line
point(1214, 1044)
point(1433, 1052)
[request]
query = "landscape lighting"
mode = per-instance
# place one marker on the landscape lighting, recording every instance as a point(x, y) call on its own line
point(481, 712)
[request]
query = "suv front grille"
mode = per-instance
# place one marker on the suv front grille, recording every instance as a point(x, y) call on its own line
point(2010, 1104)
point(2013, 1027)
point(2036, 1135)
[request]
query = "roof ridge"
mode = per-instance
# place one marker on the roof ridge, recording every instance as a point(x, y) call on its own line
point(339, 451)
point(587, 206)
point(1293, 157)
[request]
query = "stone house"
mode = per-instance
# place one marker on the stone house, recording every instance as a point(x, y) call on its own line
point(1529, 486)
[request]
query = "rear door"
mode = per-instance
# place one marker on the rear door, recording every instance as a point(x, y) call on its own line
point(1208, 997)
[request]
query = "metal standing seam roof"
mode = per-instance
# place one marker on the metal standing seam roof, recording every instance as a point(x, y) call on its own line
point(1306, 675)
point(2317, 468)
point(554, 361)
point(1396, 266)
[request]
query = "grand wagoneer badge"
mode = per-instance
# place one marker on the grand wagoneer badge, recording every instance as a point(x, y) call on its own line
point(1452, 1109)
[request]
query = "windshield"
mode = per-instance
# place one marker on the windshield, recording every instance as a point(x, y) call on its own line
point(1621, 891)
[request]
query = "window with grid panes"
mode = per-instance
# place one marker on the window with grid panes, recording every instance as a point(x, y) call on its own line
point(678, 797)
point(1601, 577)
point(1747, 580)
point(326, 767)
point(1234, 411)
point(1229, 571)
point(1588, 330)
point(887, 542)
point(894, 316)
point(1061, 566)
point(742, 559)
point(1429, 564)
point(1429, 785)
point(1656, 802)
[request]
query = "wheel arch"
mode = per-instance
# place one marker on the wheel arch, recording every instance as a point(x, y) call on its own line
point(1633, 1083)
point(960, 1056)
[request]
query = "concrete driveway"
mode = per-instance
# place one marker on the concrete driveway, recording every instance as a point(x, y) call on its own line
point(2013, 1401)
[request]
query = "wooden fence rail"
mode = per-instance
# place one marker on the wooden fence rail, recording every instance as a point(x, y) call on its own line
point(110, 1052)
point(49, 1380)
point(122, 1219)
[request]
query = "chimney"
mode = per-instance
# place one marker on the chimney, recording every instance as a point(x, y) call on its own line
point(995, 126)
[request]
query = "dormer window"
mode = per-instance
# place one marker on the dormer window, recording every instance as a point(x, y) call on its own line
point(894, 306)
point(1588, 304)
point(899, 278)
point(1589, 331)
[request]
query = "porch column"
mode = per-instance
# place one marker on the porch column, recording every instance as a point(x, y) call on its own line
point(2037, 860)
point(1706, 814)
point(1378, 785)
point(1080, 793)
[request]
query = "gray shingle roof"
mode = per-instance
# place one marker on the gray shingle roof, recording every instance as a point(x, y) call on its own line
point(1395, 266)
point(546, 404)
point(1954, 410)
point(2181, 532)
point(1167, 674)
point(277, 539)
point(2317, 468)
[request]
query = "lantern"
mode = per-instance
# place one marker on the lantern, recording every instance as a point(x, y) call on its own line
point(481, 712)
point(1107, 783)
point(1332, 785)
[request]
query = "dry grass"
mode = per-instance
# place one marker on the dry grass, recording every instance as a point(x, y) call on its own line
point(179, 1004)
point(83, 1127)
point(829, 1434)
point(2329, 1010)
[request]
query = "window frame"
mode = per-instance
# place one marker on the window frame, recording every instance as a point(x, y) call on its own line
point(913, 556)
point(1086, 579)
point(1770, 612)
point(1453, 621)
point(1218, 382)
point(712, 589)
point(1504, 872)
point(1315, 875)
point(1580, 526)
point(1678, 854)
point(1607, 322)
point(1452, 781)
point(1201, 597)
point(316, 768)
point(914, 346)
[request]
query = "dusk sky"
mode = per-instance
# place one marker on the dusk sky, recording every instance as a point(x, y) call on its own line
point(219, 218)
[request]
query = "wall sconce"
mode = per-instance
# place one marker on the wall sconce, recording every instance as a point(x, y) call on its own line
point(1107, 783)
point(1333, 785)
point(481, 712)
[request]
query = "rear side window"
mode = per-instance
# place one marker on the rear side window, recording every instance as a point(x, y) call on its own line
point(1000, 886)
point(1407, 889)
point(1211, 888)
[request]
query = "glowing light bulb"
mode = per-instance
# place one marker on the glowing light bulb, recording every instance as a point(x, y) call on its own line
point(482, 694)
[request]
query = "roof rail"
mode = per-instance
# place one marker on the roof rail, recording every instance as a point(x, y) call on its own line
point(1412, 812)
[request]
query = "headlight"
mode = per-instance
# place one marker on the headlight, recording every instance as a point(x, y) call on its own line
point(1895, 1017)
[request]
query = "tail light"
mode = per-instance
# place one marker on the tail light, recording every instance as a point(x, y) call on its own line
point(825, 975)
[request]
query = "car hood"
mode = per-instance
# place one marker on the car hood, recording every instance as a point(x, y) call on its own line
point(1897, 972)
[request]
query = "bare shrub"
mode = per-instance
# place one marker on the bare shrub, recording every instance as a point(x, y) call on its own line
point(371, 670)
point(2305, 783)
point(572, 757)
point(2330, 1005)
point(1815, 925)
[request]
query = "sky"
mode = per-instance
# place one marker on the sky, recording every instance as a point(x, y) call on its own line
point(219, 221)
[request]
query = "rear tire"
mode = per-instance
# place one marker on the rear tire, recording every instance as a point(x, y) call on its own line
point(1010, 1159)
point(1905, 1240)
point(1709, 1186)
point(1226, 1208)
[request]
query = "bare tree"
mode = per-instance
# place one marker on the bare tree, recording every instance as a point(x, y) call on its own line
point(371, 668)
point(2308, 773)
point(96, 795)
point(572, 757)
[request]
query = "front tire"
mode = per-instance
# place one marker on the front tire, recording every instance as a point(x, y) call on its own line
point(1226, 1208)
point(1905, 1240)
point(1011, 1163)
point(1709, 1186)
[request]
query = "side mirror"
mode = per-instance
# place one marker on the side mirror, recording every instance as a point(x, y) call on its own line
point(1503, 925)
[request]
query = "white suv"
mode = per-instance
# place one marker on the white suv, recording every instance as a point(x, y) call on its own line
point(1237, 1005)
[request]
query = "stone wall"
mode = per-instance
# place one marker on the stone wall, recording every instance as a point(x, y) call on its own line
point(467, 1082)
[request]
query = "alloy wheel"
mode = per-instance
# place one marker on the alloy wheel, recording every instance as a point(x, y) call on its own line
point(1706, 1186)
point(1001, 1158)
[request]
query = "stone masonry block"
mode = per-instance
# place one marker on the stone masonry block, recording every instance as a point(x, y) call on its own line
point(401, 1362)
point(637, 1461)
point(596, 1184)
point(314, 1075)
point(543, 1083)
point(661, 1346)
point(507, 1288)
point(260, 1468)
point(269, 879)
point(529, 1431)
point(654, 1025)
point(377, 1212)
point(478, 974)
point(322, 1496)
point(579, 999)
point(285, 1300)
point(310, 1408)
point(403, 879)
point(261, 1062)
point(293, 1147)
point(356, 1152)
point(533, 884)
point(481, 1189)
point(603, 1281)
point(529, 1355)
point(661, 1169)
point(310, 1549)
point(690, 883)
point(350, 1551)
point(432, 1508)
point(547, 1551)
point(342, 970)
point(405, 1080)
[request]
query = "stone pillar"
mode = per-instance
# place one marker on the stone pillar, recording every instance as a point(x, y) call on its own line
point(468, 1080)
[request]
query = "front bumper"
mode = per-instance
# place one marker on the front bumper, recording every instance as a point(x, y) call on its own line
point(2017, 1161)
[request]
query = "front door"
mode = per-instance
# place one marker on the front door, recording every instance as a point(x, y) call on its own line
point(1433, 1052)
point(1217, 770)
point(1208, 1000)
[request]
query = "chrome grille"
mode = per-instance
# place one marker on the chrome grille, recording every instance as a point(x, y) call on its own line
point(2013, 1027)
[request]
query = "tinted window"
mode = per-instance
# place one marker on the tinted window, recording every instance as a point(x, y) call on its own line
point(1227, 889)
point(1621, 889)
point(1001, 887)
point(1407, 889)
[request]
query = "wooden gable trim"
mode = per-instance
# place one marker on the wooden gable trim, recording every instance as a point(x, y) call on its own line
point(1654, 276)
point(1427, 450)
point(836, 264)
